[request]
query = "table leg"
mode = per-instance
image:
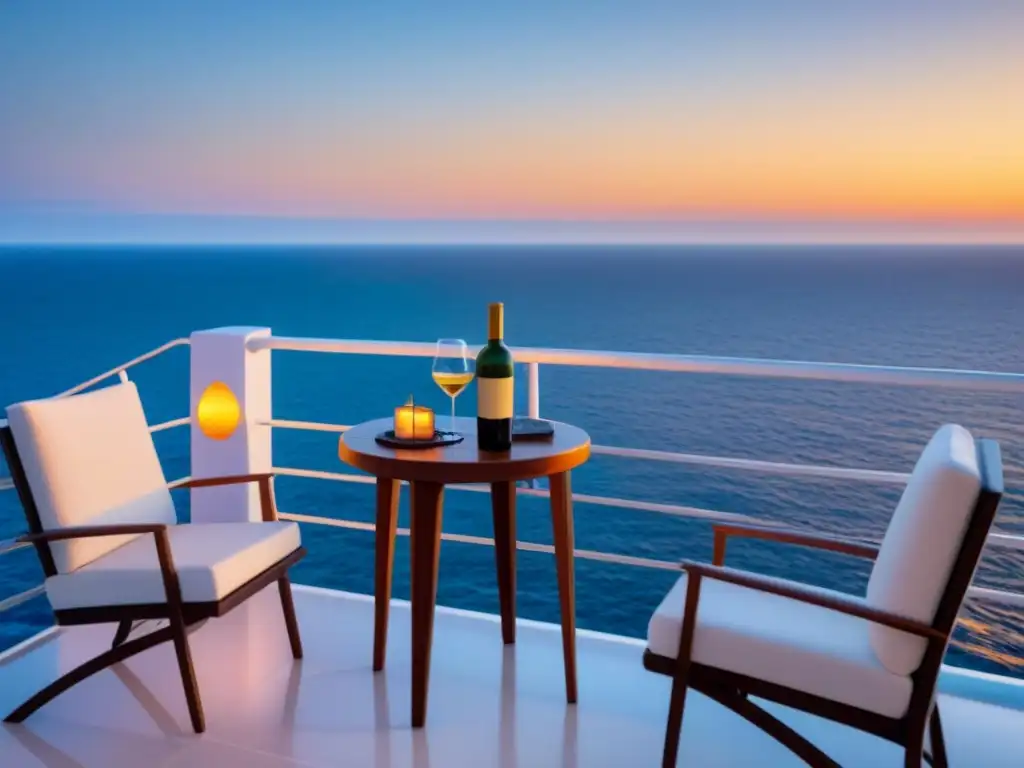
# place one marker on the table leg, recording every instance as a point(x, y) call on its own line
point(503, 507)
point(425, 549)
point(561, 521)
point(384, 558)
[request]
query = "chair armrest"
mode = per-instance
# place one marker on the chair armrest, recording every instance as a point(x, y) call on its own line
point(722, 532)
point(91, 531)
point(168, 574)
point(206, 482)
point(810, 596)
point(268, 507)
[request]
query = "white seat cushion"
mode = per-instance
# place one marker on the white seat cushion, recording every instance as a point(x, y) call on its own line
point(922, 542)
point(782, 641)
point(89, 460)
point(212, 561)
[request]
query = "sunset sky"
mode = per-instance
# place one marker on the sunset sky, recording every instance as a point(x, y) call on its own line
point(753, 119)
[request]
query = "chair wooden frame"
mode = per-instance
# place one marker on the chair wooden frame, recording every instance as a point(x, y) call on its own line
point(733, 690)
point(182, 617)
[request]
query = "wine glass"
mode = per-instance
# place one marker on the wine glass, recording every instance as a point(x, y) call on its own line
point(453, 369)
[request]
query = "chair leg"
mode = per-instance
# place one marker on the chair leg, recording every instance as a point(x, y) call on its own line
point(915, 753)
point(89, 668)
point(681, 674)
point(124, 628)
point(284, 586)
point(188, 674)
point(938, 740)
point(740, 703)
point(677, 703)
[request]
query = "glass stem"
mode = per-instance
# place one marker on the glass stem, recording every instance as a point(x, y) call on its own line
point(453, 413)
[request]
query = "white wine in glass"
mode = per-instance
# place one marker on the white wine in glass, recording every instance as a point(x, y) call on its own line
point(453, 369)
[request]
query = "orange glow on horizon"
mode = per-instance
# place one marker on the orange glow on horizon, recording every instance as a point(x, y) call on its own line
point(632, 171)
point(924, 145)
point(858, 113)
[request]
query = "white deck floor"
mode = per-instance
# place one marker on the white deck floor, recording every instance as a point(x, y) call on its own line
point(489, 705)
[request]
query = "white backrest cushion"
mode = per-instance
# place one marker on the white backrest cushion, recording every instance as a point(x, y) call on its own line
point(922, 543)
point(89, 460)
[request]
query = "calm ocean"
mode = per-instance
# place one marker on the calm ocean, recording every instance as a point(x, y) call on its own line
point(68, 314)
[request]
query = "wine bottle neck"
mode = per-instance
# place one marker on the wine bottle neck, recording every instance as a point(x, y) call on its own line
point(495, 322)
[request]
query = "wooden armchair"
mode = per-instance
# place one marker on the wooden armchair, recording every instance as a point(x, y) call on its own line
point(868, 662)
point(104, 526)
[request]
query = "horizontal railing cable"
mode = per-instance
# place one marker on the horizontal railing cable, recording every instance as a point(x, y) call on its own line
point(12, 545)
point(988, 595)
point(311, 426)
point(1002, 540)
point(124, 367)
point(1006, 541)
point(182, 422)
point(755, 465)
point(980, 593)
point(461, 538)
point(22, 597)
point(729, 366)
point(695, 459)
point(676, 510)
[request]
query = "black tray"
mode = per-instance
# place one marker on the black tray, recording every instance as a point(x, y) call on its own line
point(532, 429)
point(439, 439)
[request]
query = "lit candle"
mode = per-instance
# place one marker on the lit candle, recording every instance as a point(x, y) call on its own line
point(414, 422)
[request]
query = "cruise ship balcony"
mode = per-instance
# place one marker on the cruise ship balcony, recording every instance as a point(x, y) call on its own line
point(491, 703)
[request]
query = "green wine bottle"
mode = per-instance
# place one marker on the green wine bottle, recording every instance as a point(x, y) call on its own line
point(494, 386)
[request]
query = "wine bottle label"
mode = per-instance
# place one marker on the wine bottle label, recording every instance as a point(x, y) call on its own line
point(494, 398)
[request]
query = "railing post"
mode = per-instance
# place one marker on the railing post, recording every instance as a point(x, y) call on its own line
point(533, 390)
point(232, 436)
point(533, 405)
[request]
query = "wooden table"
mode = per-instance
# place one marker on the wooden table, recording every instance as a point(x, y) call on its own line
point(428, 471)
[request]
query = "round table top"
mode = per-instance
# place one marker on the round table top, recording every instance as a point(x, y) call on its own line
point(464, 462)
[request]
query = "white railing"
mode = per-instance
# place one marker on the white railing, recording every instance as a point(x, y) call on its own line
point(976, 593)
point(121, 370)
point(533, 357)
point(461, 538)
point(11, 545)
point(22, 597)
point(583, 498)
point(698, 459)
point(645, 361)
point(182, 422)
